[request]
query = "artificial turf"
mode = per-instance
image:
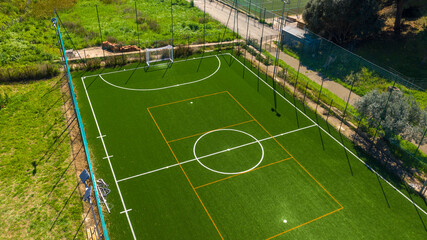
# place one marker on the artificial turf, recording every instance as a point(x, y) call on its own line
point(154, 137)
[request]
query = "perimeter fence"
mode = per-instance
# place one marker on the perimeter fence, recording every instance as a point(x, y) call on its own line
point(316, 63)
point(334, 61)
point(272, 7)
point(313, 54)
point(93, 219)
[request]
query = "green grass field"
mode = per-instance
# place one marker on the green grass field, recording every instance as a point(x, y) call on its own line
point(193, 150)
point(38, 194)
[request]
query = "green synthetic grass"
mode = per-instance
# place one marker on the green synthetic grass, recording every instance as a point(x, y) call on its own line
point(38, 199)
point(320, 193)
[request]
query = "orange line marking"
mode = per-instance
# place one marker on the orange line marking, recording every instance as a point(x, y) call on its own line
point(204, 185)
point(210, 131)
point(306, 223)
point(254, 119)
point(318, 183)
point(341, 207)
point(185, 174)
point(284, 149)
point(187, 99)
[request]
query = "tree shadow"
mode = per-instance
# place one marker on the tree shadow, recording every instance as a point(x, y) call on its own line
point(66, 169)
point(133, 71)
point(56, 141)
point(81, 224)
point(416, 209)
point(63, 207)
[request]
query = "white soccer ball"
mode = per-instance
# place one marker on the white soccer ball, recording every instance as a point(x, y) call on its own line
point(285, 221)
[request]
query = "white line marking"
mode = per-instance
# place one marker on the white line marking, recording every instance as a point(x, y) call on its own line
point(369, 167)
point(130, 69)
point(109, 161)
point(215, 153)
point(128, 210)
point(108, 157)
point(160, 88)
point(228, 149)
point(102, 136)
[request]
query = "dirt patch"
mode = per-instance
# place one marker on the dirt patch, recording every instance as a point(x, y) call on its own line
point(79, 158)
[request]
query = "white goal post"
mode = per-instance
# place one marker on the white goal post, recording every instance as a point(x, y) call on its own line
point(159, 54)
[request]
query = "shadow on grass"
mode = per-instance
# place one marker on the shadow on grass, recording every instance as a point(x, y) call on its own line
point(66, 169)
point(63, 207)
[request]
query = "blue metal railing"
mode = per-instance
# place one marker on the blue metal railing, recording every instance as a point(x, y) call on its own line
point(83, 134)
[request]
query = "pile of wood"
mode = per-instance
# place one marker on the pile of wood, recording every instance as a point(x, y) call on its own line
point(129, 48)
point(114, 47)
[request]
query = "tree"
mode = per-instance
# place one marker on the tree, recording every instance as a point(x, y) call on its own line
point(342, 20)
point(408, 9)
point(396, 114)
point(398, 16)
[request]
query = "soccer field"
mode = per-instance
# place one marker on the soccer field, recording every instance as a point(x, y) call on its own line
point(193, 150)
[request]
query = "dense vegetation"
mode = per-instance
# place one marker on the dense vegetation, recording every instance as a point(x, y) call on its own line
point(402, 35)
point(28, 39)
point(342, 20)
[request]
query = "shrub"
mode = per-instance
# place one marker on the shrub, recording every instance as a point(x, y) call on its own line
point(142, 19)
point(25, 73)
point(203, 20)
point(93, 64)
point(193, 26)
point(4, 99)
point(111, 39)
point(153, 25)
point(180, 2)
point(116, 61)
point(191, 3)
point(182, 51)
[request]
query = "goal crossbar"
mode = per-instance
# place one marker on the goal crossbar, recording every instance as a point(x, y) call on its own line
point(159, 54)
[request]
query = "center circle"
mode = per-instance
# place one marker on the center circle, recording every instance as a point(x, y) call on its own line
point(229, 149)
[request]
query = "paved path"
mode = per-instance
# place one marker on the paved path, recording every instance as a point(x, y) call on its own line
point(221, 13)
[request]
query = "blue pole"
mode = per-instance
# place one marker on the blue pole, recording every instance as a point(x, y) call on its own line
point(82, 132)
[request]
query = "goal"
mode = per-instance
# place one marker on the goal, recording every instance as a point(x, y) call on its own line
point(159, 54)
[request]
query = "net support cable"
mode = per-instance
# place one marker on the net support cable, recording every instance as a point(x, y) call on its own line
point(80, 123)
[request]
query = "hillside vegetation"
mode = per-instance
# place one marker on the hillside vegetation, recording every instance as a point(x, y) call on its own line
point(28, 38)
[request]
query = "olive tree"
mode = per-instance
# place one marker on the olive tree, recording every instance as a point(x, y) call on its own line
point(395, 113)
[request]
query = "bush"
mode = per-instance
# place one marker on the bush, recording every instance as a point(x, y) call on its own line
point(153, 26)
point(93, 64)
point(4, 99)
point(116, 61)
point(142, 19)
point(183, 51)
point(25, 73)
point(111, 39)
point(191, 3)
point(193, 26)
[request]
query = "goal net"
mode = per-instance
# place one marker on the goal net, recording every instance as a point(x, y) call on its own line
point(159, 54)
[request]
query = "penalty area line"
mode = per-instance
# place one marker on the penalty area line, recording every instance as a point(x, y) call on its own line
point(336, 140)
point(215, 153)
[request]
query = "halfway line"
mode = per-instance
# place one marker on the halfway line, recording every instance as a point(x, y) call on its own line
point(215, 153)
